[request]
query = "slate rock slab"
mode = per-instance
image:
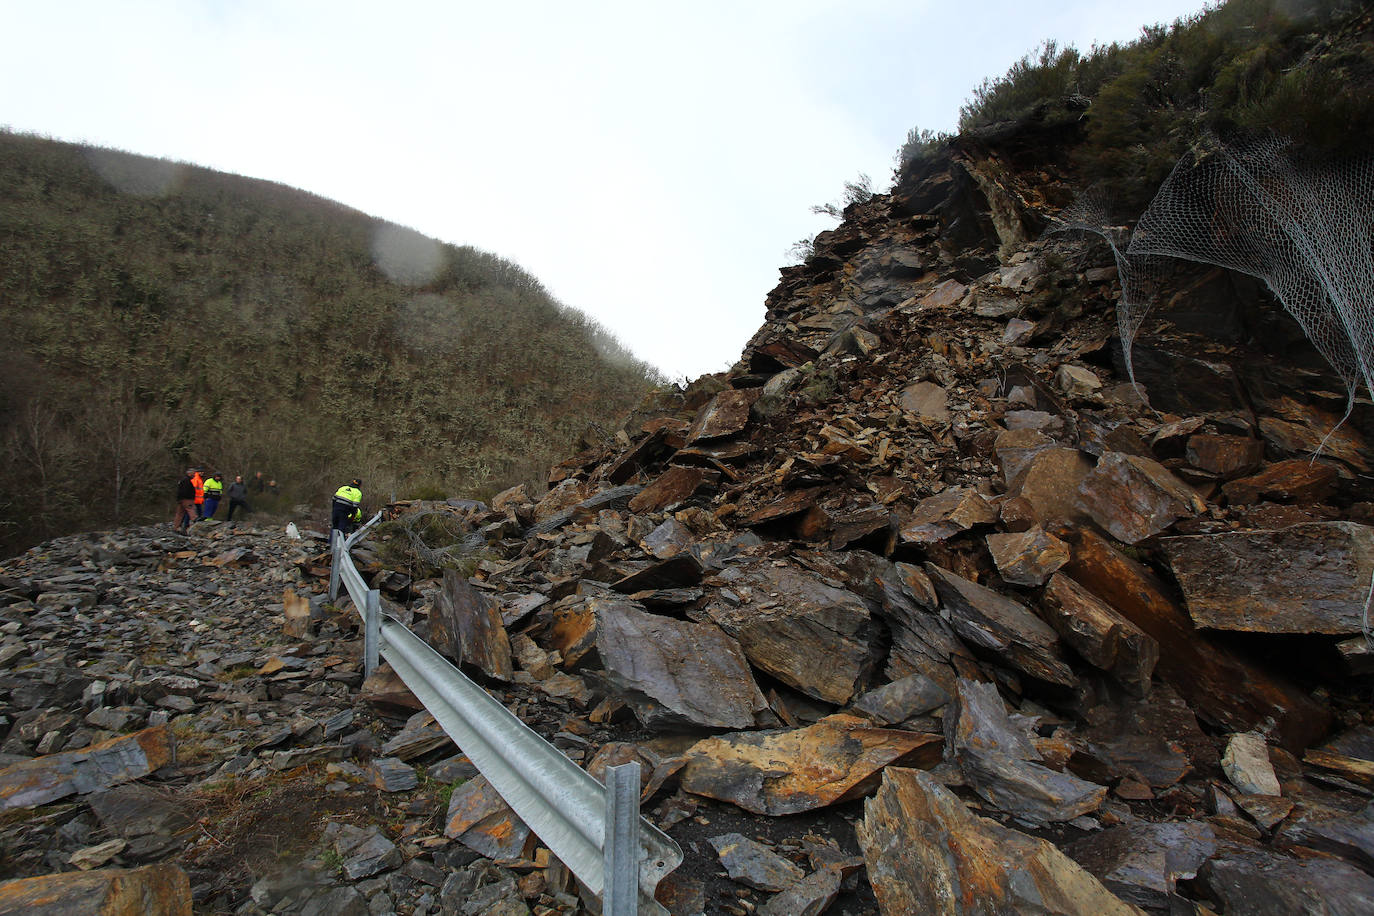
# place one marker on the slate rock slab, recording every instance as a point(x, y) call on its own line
point(1316, 577)
point(481, 820)
point(466, 626)
point(1142, 862)
point(999, 761)
point(754, 864)
point(1133, 498)
point(1259, 883)
point(1222, 686)
point(1003, 626)
point(154, 890)
point(810, 896)
point(99, 766)
point(675, 670)
point(926, 853)
point(901, 699)
point(787, 618)
point(1027, 557)
point(785, 772)
point(1098, 633)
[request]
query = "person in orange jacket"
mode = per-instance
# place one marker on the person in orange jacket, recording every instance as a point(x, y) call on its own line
point(198, 482)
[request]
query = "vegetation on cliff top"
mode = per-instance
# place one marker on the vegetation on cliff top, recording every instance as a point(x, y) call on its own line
point(159, 313)
point(1301, 68)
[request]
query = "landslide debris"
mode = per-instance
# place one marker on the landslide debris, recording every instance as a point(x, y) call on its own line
point(918, 596)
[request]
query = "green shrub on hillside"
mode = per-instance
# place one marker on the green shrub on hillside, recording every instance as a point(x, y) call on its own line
point(1299, 68)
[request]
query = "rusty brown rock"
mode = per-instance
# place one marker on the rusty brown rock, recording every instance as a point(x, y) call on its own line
point(944, 296)
point(851, 525)
point(926, 853)
point(1142, 862)
point(1027, 557)
point(1050, 484)
point(1133, 498)
point(384, 687)
point(1102, 636)
point(926, 399)
point(1154, 739)
point(667, 540)
point(572, 631)
point(1225, 456)
point(1316, 578)
point(1355, 769)
point(786, 618)
point(785, 772)
point(672, 488)
point(1015, 448)
point(564, 496)
point(781, 352)
point(676, 671)
point(1003, 626)
point(466, 626)
point(480, 819)
point(154, 890)
point(1221, 686)
point(945, 515)
point(296, 609)
point(794, 503)
point(1296, 480)
point(726, 415)
point(91, 769)
point(679, 571)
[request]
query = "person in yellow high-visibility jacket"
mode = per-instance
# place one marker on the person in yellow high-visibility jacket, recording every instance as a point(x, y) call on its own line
point(347, 508)
point(213, 490)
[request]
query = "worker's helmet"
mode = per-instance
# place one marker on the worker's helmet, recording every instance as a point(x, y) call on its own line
point(357, 481)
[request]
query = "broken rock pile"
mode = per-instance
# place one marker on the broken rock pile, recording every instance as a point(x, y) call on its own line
point(918, 608)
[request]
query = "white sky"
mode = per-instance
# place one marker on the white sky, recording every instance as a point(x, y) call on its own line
point(650, 163)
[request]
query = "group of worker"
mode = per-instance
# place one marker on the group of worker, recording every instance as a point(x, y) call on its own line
point(199, 494)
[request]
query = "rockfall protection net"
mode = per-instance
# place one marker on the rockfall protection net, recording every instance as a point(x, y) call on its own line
point(1305, 228)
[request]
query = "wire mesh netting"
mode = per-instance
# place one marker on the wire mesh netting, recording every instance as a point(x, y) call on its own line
point(1305, 228)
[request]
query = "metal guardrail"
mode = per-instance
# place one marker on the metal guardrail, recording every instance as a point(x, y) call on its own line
point(595, 831)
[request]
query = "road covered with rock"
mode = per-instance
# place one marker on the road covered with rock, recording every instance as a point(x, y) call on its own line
point(918, 608)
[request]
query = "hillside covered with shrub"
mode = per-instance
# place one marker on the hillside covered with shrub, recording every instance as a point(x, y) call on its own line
point(1119, 116)
point(158, 313)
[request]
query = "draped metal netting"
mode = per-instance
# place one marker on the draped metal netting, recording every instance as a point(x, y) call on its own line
point(1304, 227)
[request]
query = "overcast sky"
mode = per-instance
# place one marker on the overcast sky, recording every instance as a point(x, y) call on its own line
point(651, 163)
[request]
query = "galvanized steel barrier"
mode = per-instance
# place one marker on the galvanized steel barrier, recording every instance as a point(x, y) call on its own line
point(596, 831)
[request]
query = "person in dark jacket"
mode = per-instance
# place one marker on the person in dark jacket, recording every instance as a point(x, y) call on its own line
point(186, 502)
point(238, 497)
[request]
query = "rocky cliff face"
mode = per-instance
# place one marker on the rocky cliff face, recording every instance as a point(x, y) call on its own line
point(918, 608)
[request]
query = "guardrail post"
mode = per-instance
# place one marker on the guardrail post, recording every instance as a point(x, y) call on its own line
point(372, 631)
point(621, 849)
point(334, 541)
